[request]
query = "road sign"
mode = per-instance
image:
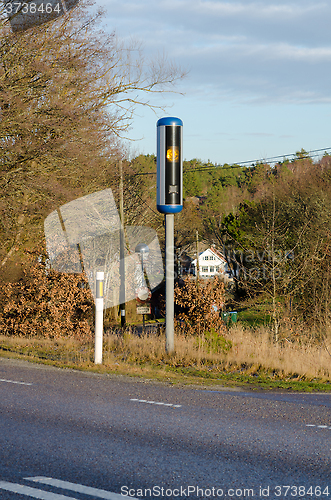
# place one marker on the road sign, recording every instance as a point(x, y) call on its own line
point(145, 309)
point(143, 294)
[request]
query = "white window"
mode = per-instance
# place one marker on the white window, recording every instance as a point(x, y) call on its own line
point(211, 269)
point(204, 269)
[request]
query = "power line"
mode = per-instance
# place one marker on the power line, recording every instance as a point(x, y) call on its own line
point(147, 205)
point(314, 153)
point(272, 159)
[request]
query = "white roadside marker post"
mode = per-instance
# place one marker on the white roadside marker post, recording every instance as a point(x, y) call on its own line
point(99, 317)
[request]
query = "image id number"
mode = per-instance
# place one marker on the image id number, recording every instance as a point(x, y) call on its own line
point(301, 491)
point(31, 8)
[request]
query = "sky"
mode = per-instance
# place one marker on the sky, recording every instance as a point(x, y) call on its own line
point(258, 80)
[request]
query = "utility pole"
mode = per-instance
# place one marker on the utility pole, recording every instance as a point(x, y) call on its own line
point(198, 268)
point(122, 250)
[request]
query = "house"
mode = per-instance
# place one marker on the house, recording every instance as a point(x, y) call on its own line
point(211, 263)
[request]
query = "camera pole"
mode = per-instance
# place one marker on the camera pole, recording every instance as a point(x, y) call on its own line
point(169, 202)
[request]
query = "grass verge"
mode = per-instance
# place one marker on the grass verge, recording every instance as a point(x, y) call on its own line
point(245, 358)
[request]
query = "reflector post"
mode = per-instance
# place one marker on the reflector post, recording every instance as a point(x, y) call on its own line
point(100, 276)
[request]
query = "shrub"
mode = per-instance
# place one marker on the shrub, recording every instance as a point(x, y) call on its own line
point(201, 303)
point(47, 303)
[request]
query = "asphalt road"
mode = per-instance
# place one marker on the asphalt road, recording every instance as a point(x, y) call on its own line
point(67, 434)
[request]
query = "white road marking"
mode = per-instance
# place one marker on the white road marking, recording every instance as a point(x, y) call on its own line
point(78, 488)
point(155, 403)
point(32, 492)
point(318, 426)
point(57, 483)
point(14, 382)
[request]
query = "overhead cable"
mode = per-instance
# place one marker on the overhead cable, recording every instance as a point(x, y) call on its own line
point(252, 163)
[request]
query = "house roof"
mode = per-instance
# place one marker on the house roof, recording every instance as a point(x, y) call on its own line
point(213, 251)
point(217, 253)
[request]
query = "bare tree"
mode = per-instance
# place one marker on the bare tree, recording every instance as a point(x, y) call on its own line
point(67, 95)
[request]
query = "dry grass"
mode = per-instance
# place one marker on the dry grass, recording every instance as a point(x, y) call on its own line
point(241, 350)
point(254, 349)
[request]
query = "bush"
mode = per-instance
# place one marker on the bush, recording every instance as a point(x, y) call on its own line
point(201, 303)
point(47, 303)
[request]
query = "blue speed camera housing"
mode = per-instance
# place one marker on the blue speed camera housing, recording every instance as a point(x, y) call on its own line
point(169, 196)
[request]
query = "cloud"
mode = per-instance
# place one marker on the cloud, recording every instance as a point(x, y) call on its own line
point(251, 51)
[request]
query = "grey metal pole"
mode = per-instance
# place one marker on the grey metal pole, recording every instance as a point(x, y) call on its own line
point(170, 279)
point(142, 284)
